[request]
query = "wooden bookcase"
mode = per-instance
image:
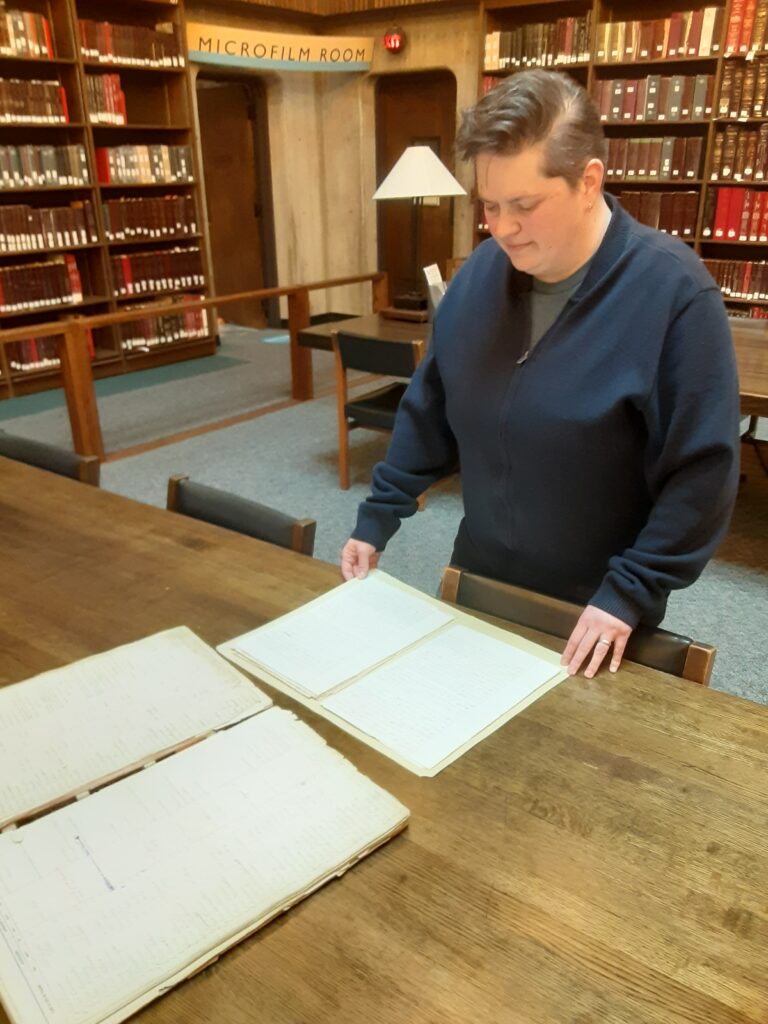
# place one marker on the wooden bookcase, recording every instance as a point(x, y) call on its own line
point(162, 255)
point(616, 65)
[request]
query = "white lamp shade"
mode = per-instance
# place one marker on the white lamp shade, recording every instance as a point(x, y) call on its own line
point(418, 173)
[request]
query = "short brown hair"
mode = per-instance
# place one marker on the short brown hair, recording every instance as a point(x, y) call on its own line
point(531, 107)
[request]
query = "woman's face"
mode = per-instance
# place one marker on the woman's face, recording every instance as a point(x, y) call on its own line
point(541, 223)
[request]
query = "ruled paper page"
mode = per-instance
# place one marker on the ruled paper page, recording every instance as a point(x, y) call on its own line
point(344, 632)
point(104, 899)
point(69, 727)
point(434, 699)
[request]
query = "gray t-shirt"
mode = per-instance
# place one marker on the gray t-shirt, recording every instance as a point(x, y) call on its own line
point(548, 300)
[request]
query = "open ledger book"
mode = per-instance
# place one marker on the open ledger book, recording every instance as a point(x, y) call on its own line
point(419, 680)
point(108, 901)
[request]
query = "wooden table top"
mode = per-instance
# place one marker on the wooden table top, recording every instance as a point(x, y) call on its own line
point(750, 340)
point(371, 326)
point(601, 859)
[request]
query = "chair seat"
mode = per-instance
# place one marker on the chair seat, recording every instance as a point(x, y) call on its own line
point(376, 408)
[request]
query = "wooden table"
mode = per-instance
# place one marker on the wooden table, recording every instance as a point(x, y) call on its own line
point(750, 340)
point(601, 859)
point(373, 326)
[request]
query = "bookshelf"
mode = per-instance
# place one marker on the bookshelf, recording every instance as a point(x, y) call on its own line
point(100, 205)
point(683, 97)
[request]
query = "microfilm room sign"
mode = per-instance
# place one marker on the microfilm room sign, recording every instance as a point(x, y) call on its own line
point(271, 51)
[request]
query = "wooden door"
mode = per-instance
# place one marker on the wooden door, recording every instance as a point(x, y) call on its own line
point(414, 109)
point(233, 141)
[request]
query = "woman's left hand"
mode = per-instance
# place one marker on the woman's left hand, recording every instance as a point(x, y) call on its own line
point(596, 633)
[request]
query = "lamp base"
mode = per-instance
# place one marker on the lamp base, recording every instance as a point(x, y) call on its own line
point(410, 300)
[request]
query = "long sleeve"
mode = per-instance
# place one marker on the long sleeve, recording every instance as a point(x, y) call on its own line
point(692, 463)
point(422, 451)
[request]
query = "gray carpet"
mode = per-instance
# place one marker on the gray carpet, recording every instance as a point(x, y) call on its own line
point(248, 372)
point(288, 459)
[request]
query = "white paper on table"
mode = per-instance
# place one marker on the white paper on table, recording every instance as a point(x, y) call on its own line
point(76, 725)
point(337, 636)
point(105, 900)
point(434, 699)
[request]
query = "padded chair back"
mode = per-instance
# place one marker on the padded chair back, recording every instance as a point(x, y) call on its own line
point(85, 468)
point(388, 358)
point(241, 515)
point(655, 648)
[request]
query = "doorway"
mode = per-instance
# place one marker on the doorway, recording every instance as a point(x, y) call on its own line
point(235, 149)
point(414, 109)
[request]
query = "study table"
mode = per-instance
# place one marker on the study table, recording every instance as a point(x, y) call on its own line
point(750, 341)
point(750, 344)
point(374, 326)
point(600, 859)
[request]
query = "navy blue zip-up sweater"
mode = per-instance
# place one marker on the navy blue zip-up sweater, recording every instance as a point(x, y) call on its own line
point(601, 469)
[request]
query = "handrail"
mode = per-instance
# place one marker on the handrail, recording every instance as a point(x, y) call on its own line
point(77, 372)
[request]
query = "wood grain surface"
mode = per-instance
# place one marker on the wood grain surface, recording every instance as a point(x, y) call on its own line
point(601, 859)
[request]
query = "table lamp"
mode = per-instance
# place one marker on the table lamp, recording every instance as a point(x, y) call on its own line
point(418, 174)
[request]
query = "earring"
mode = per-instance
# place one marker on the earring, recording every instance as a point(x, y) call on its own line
point(589, 206)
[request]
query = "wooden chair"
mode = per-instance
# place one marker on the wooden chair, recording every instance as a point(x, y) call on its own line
point(85, 468)
point(241, 515)
point(656, 648)
point(374, 410)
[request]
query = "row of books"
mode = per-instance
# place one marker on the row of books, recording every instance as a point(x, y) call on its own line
point(167, 270)
point(539, 45)
point(743, 88)
point(28, 227)
point(24, 34)
point(149, 217)
point(105, 99)
point(753, 312)
point(735, 214)
point(153, 331)
point(740, 154)
point(747, 23)
point(139, 165)
point(33, 354)
point(30, 101)
point(740, 279)
point(33, 286)
point(138, 45)
point(37, 166)
point(672, 212)
point(672, 158)
point(139, 335)
point(694, 33)
point(654, 98)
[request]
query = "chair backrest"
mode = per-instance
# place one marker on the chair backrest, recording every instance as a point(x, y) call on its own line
point(655, 648)
point(85, 468)
point(241, 515)
point(389, 358)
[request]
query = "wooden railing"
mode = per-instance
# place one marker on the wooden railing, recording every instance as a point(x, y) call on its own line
point(76, 369)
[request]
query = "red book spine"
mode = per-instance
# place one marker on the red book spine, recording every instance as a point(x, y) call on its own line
point(722, 211)
point(102, 165)
point(64, 106)
point(735, 208)
point(75, 283)
point(733, 36)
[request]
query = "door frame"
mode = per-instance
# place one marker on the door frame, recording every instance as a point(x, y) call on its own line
point(256, 100)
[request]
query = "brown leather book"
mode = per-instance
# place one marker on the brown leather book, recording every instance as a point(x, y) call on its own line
point(692, 159)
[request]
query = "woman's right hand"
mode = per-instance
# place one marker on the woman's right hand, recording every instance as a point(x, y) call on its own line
point(357, 558)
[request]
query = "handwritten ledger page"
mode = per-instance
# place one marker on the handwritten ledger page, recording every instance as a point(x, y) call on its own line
point(107, 902)
point(94, 718)
point(447, 681)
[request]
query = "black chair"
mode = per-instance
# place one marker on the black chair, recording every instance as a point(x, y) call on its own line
point(655, 648)
point(85, 468)
point(374, 410)
point(241, 515)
